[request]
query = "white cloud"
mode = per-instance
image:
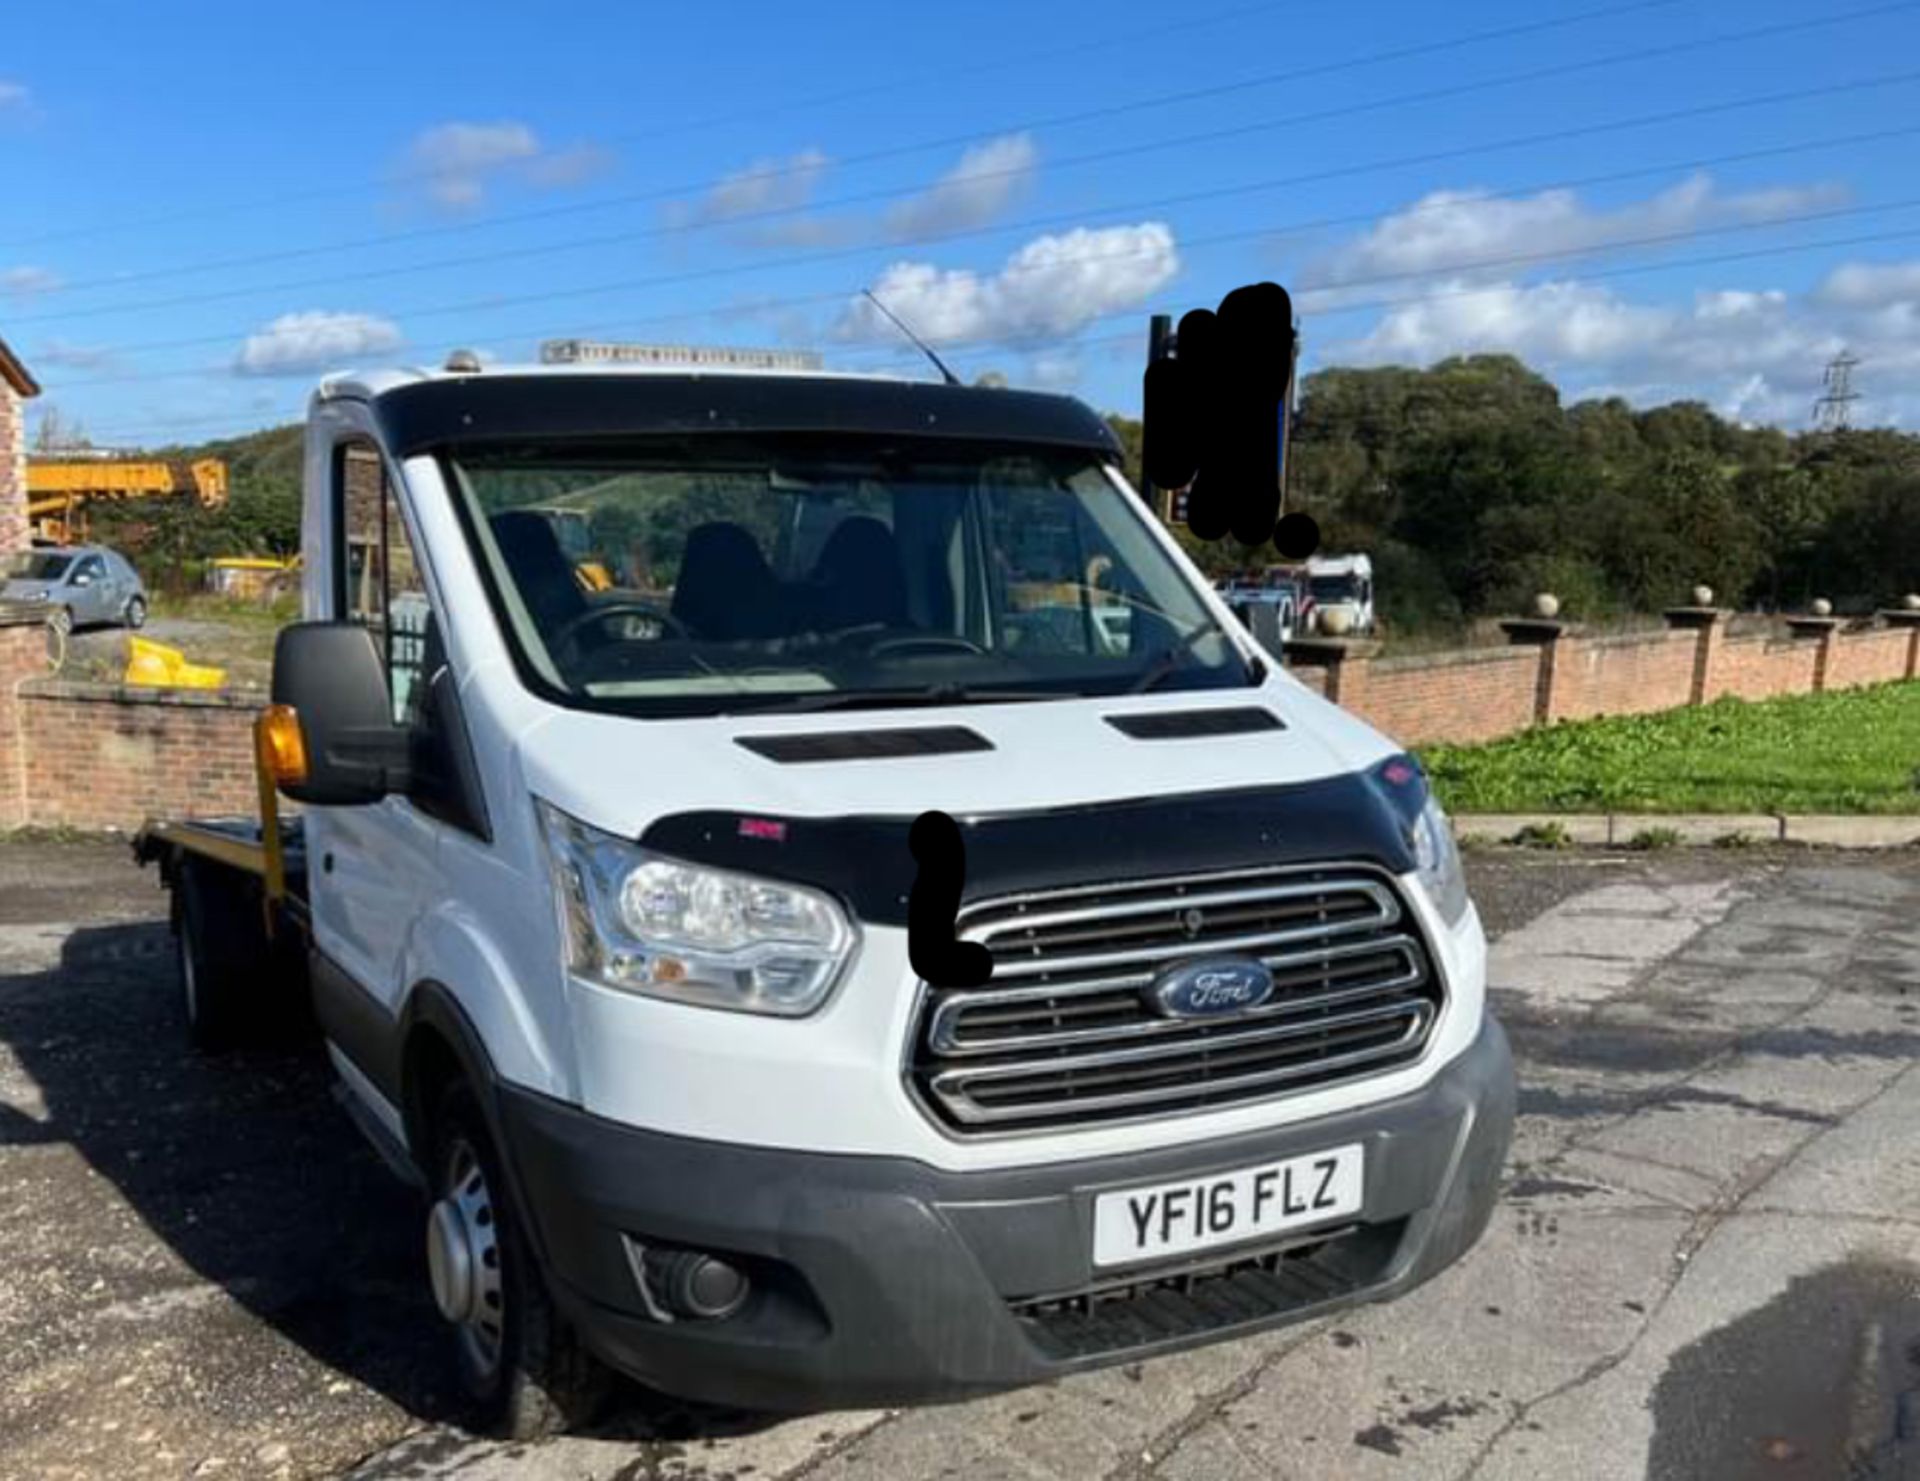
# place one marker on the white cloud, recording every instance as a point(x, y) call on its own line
point(976, 191)
point(1756, 354)
point(1872, 284)
point(1053, 372)
point(454, 164)
point(25, 281)
point(15, 94)
point(764, 185)
point(296, 343)
point(562, 169)
point(72, 356)
point(1051, 287)
point(1541, 321)
point(454, 160)
point(1451, 230)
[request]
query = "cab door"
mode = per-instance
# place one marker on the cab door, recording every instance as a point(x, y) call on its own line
point(373, 870)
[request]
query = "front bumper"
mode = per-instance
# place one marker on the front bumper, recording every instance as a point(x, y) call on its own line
point(882, 1281)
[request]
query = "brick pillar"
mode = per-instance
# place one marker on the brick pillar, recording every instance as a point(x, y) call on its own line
point(1544, 634)
point(13, 470)
point(23, 656)
point(1709, 626)
point(1820, 631)
point(1346, 661)
point(1908, 618)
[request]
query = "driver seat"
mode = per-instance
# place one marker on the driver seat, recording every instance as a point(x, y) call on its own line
point(540, 569)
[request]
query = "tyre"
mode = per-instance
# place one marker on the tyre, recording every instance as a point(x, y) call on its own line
point(61, 620)
point(136, 614)
point(223, 952)
point(519, 1362)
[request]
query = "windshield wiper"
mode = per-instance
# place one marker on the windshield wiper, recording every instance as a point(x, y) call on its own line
point(1168, 659)
point(926, 694)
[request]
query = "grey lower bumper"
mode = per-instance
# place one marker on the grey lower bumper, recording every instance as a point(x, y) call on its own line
point(885, 1281)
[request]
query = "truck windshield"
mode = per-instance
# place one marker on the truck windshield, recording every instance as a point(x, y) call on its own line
point(1330, 589)
point(712, 575)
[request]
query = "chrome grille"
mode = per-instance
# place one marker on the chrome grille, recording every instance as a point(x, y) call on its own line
point(1063, 1034)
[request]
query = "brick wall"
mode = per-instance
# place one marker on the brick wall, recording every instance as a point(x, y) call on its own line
point(1623, 675)
point(23, 653)
point(13, 470)
point(1554, 674)
point(103, 756)
point(1469, 696)
point(1872, 658)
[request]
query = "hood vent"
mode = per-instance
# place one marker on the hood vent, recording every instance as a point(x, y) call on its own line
point(1188, 724)
point(866, 745)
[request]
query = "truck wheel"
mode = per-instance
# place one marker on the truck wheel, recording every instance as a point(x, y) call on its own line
point(518, 1360)
point(218, 937)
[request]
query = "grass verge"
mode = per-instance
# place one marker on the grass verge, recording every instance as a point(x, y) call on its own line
point(1850, 751)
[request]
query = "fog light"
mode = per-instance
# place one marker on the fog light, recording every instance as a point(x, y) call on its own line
point(678, 1284)
point(700, 1286)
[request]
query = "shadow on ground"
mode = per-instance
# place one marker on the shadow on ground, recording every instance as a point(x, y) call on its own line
point(245, 1169)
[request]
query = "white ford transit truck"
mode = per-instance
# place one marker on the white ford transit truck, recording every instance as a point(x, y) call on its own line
point(599, 889)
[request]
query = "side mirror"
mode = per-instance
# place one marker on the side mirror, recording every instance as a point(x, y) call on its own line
point(83, 578)
point(329, 676)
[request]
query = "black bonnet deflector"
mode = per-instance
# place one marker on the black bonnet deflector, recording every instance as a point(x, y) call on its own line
point(1187, 724)
point(866, 745)
point(865, 860)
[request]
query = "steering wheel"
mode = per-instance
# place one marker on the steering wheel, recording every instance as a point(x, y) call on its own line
point(606, 610)
point(934, 641)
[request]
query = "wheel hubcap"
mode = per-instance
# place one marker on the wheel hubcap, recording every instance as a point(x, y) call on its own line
point(463, 1259)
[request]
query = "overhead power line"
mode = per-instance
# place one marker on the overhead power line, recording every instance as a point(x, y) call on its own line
point(1484, 264)
point(750, 219)
point(1268, 79)
point(1076, 339)
point(1346, 171)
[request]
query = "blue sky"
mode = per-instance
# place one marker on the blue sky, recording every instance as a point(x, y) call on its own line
point(210, 204)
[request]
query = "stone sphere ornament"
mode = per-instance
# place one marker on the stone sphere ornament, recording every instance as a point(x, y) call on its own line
point(1703, 596)
point(1546, 606)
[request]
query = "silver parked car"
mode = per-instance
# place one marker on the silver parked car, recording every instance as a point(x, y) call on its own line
point(87, 585)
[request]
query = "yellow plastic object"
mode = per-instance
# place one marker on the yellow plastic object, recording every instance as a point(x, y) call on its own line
point(158, 666)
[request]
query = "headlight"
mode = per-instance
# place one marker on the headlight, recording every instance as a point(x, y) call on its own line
point(1436, 856)
point(641, 923)
point(1438, 859)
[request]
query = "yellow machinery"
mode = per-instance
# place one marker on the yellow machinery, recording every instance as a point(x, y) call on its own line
point(253, 578)
point(157, 665)
point(58, 493)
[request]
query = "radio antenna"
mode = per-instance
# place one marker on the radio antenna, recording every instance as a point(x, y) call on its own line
point(920, 344)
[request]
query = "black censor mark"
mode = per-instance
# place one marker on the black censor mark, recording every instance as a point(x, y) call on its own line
point(934, 904)
point(1216, 412)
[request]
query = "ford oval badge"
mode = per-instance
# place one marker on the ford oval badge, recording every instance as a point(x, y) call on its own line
point(1210, 987)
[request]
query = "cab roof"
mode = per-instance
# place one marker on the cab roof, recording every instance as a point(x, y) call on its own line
point(425, 411)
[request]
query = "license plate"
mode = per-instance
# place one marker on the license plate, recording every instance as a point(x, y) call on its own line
point(1228, 1208)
